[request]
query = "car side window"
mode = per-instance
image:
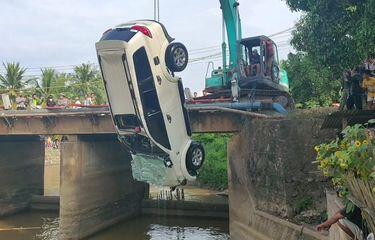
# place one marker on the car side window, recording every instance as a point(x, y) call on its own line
point(149, 98)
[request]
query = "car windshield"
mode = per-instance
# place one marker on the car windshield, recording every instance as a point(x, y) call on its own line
point(123, 34)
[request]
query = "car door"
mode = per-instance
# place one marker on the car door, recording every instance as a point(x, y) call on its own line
point(152, 112)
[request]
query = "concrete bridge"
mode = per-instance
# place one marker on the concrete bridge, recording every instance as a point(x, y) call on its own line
point(96, 185)
point(98, 121)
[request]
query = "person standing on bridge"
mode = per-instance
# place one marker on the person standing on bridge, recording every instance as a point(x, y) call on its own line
point(369, 86)
point(50, 102)
point(93, 99)
point(355, 91)
point(21, 102)
point(88, 100)
point(34, 102)
point(63, 101)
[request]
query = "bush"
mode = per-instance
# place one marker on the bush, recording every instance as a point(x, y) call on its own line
point(351, 155)
point(214, 171)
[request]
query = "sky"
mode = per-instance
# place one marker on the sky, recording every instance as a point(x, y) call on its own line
point(62, 33)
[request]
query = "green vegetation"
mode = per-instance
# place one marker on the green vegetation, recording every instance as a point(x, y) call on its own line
point(339, 34)
point(311, 85)
point(85, 79)
point(12, 80)
point(214, 171)
point(332, 36)
point(304, 204)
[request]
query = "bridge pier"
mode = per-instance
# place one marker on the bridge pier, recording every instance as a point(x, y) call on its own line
point(97, 189)
point(21, 172)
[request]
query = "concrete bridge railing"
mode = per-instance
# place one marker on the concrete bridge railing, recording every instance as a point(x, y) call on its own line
point(98, 121)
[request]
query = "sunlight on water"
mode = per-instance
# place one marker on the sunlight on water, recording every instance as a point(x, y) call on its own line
point(161, 232)
point(150, 169)
point(50, 229)
point(141, 228)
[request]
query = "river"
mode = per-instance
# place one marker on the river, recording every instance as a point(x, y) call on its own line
point(44, 225)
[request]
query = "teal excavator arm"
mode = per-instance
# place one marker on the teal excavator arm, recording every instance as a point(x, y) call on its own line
point(232, 22)
point(227, 76)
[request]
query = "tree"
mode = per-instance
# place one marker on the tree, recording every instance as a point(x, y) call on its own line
point(46, 84)
point(339, 34)
point(51, 83)
point(12, 80)
point(87, 80)
point(311, 85)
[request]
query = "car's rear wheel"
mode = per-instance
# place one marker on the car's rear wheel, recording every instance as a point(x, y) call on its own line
point(177, 57)
point(195, 157)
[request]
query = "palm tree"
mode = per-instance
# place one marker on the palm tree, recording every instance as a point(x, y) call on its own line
point(87, 80)
point(51, 83)
point(46, 83)
point(62, 83)
point(12, 80)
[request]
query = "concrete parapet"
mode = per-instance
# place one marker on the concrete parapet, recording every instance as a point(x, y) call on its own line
point(185, 209)
point(21, 172)
point(97, 189)
point(271, 173)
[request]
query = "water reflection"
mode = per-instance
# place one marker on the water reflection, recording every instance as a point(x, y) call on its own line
point(160, 232)
point(49, 230)
point(142, 228)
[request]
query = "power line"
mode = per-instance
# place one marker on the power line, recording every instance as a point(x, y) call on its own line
point(197, 51)
point(284, 31)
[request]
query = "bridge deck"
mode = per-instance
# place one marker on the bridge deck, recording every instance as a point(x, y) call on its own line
point(98, 121)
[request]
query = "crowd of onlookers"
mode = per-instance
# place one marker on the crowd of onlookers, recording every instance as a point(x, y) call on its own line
point(358, 87)
point(24, 102)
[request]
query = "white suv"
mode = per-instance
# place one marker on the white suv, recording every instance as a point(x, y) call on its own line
point(138, 60)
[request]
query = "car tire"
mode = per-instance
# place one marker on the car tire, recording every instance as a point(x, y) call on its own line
point(195, 157)
point(177, 57)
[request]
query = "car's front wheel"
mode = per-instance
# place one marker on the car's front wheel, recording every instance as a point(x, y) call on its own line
point(195, 157)
point(177, 57)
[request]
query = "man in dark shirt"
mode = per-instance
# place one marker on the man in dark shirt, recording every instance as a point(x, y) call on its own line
point(254, 62)
point(50, 102)
point(350, 222)
point(355, 91)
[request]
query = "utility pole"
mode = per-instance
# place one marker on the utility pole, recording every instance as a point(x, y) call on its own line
point(156, 10)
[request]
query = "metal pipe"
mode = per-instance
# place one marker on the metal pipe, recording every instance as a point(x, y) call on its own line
point(224, 109)
point(244, 106)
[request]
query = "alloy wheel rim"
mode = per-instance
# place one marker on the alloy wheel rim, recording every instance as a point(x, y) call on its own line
point(197, 157)
point(179, 57)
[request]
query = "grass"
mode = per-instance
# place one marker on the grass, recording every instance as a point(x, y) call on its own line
point(214, 173)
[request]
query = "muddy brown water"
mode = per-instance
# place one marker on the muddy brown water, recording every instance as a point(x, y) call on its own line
point(44, 225)
point(142, 228)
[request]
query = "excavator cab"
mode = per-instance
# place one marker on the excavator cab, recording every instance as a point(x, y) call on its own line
point(259, 58)
point(259, 72)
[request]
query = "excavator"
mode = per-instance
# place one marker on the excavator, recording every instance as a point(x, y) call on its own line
point(251, 80)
